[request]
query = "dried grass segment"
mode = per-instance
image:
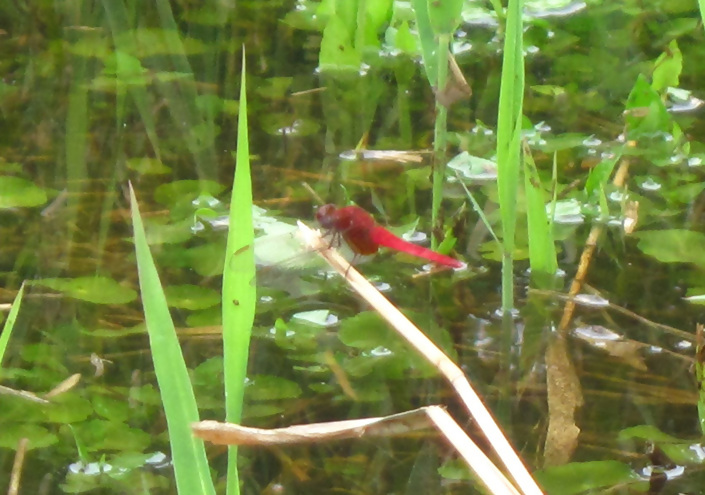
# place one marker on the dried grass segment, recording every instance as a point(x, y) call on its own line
point(397, 424)
point(424, 346)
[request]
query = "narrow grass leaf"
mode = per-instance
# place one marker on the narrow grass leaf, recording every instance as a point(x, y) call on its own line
point(190, 463)
point(542, 249)
point(10, 323)
point(427, 39)
point(508, 141)
point(239, 294)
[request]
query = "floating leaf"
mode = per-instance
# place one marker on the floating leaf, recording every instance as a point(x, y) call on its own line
point(147, 166)
point(68, 408)
point(267, 387)
point(100, 435)
point(160, 232)
point(580, 477)
point(473, 167)
point(38, 436)
point(174, 192)
point(110, 408)
point(274, 88)
point(673, 246)
point(207, 259)
point(16, 193)
point(262, 410)
point(99, 290)
point(191, 297)
point(364, 330)
point(678, 450)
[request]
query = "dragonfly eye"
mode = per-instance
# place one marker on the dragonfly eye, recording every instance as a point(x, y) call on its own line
point(326, 216)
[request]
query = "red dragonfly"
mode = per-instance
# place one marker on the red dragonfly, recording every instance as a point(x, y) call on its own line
point(365, 236)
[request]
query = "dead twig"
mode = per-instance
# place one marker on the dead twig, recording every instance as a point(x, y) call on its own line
point(397, 424)
point(433, 354)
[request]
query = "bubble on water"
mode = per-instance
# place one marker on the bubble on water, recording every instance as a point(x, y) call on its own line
point(592, 142)
point(649, 184)
point(695, 161)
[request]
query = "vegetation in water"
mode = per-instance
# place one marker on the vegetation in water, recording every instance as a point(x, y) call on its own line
point(564, 165)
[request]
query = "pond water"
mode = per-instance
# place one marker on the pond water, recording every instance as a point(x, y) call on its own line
point(94, 96)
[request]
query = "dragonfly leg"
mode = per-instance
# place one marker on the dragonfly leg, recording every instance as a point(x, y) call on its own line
point(352, 263)
point(335, 239)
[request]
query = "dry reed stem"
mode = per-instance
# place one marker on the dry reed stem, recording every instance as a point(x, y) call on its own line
point(433, 354)
point(586, 256)
point(16, 475)
point(397, 424)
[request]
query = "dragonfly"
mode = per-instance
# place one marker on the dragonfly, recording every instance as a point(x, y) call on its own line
point(278, 253)
point(365, 236)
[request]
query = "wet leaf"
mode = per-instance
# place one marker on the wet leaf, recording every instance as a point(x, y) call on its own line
point(268, 387)
point(20, 193)
point(148, 166)
point(262, 410)
point(667, 68)
point(68, 408)
point(274, 87)
point(161, 231)
point(98, 435)
point(337, 52)
point(455, 469)
point(599, 175)
point(404, 40)
point(99, 290)
point(122, 64)
point(39, 437)
point(365, 330)
point(207, 259)
point(296, 335)
point(580, 477)
point(191, 297)
point(174, 192)
point(647, 432)
point(473, 167)
point(646, 115)
point(678, 450)
point(673, 246)
point(110, 408)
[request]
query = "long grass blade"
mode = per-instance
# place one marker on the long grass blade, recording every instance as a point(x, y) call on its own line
point(239, 294)
point(190, 463)
point(508, 142)
point(10, 323)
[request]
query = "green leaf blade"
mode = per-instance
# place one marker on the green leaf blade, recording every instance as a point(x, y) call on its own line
point(190, 462)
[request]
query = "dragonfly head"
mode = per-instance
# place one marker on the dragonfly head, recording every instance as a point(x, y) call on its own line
point(326, 216)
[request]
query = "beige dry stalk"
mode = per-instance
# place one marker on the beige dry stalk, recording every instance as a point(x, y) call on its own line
point(433, 355)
